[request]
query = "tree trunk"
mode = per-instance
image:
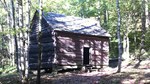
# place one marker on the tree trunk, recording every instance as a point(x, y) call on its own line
point(2, 46)
point(20, 24)
point(98, 11)
point(39, 45)
point(125, 54)
point(14, 29)
point(23, 39)
point(26, 40)
point(105, 15)
point(119, 37)
point(18, 28)
point(145, 25)
point(11, 39)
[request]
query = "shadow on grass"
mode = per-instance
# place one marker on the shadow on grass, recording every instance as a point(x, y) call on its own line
point(138, 64)
point(116, 78)
point(83, 78)
point(9, 79)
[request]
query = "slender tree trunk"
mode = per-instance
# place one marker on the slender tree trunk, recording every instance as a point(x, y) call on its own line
point(11, 48)
point(125, 54)
point(119, 37)
point(2, 46)
point(24, 8)
point(26, 40)
point(20, 24)
point(134, 21)
point(145, 25)
point(105, 15)
point(14, 28)
point(83, 9)
point(8, 7)
point(17, 27)
point(23, 40)
point(9, 22)
point(11, 43)
point(39, 44)
point(98, 11)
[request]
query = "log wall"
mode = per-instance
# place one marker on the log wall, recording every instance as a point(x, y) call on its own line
point(64, 48)
point(47, 45)
point(69, 49)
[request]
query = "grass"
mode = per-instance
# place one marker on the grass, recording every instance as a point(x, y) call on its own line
point(7, 69)
point(8, 75)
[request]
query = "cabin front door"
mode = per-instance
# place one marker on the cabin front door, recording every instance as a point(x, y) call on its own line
point(86, 55)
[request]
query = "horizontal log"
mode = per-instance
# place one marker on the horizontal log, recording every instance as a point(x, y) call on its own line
point(36, 51)
point(33, 42)
point(70, 53)
point(63, 62)
point(46, 33)
point(43, 44)
point(68, 60)
point(44, 40)
point(44, 65)
point(64, 51)
point(68, 66)
point(46, 47)
point(98, 62)
point(47, 40)
point(33, 39)
point(43, 57)
point(43, 34)
point(48, 59)
point(48, 54)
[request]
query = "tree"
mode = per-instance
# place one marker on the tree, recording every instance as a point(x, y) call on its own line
point(145, 25)
point(119, 37)
point(23, 20)
point(26, 40)
point(39, 44)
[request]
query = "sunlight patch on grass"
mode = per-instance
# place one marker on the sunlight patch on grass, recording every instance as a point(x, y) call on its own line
point(8, 69)
point(146, 81)
point(134, 75)
point(128, 81)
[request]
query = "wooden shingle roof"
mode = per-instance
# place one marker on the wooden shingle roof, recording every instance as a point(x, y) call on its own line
point(73, 24)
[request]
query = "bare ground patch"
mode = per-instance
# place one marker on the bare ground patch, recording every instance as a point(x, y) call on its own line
point(129, 75)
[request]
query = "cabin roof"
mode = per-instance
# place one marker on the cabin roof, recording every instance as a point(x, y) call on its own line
point(74, 24)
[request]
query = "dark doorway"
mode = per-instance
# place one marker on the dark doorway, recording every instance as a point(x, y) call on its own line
point(86, 55)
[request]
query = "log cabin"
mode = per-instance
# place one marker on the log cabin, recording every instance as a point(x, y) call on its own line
point(68, 42)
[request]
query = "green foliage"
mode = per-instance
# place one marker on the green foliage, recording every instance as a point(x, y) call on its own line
point(131, 11)
point(147, 41)
point(7, 69)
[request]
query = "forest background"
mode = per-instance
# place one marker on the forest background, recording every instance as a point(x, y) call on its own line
point(16, 17)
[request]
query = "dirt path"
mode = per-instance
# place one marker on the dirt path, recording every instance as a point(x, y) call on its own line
point(108, 76)
point(134, 73)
